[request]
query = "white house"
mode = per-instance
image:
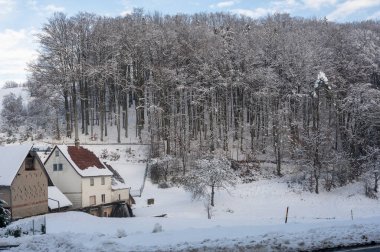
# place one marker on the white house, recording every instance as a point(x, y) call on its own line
point(84, 180)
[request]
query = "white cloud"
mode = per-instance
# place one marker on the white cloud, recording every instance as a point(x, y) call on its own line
point(255, 13)
point(6, 7)
point(317, 4)
point(44, 10)
point(51, 8)
point(224, 4)
point(374, 16)
point(128, 8)
point(16, 50)
point(126, 12)
point(351, 6)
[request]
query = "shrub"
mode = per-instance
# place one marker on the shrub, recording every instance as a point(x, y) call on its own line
point(157, 228)
point(114, 156)
point(14, 232)
point(104, 154)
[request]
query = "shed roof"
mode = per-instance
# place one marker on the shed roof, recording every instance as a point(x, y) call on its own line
point(12, 157)
point(55, 196)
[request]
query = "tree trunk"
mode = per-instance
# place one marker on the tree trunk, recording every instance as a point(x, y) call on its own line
point(76, 133)
point(212, 194)
point(67, 109)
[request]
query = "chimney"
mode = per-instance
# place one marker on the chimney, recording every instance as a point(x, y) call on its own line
point(77, 143)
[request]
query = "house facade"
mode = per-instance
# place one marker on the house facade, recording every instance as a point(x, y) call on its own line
point(23, 181)
point(84, 179)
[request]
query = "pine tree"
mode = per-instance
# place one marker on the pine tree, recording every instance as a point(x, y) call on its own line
point(5, 215)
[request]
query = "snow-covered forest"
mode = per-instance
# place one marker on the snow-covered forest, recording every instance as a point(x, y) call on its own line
point(304, 92)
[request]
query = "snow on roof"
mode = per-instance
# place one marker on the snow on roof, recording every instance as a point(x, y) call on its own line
point(12, 157)
point(84, 161)
point(54, 195)
point(117, 182)
point(117, 185)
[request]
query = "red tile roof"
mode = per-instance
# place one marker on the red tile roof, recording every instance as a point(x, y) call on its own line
point(84, 158)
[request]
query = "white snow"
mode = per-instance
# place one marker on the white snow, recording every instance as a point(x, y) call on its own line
point(251, 216)
point(55, 196)
point(89, 171)
point(12, 157)
point(117, 185)
point(321, 78)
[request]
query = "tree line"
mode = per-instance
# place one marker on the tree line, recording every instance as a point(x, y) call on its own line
point(304, 90)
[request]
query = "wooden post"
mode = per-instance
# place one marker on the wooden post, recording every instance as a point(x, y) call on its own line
point(286, 217)
point(352, 215)
point(33, 226)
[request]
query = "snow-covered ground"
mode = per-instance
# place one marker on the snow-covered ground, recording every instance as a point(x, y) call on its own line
point(249, 217)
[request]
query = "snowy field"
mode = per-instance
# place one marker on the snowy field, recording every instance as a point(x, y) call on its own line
point(249, 217)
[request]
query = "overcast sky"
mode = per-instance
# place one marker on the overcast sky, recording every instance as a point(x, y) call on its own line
point(20, 19)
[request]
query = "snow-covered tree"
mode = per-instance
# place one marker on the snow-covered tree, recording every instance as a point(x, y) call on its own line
point(211, 172)
point(371, 166)
point(13, 112)
point(5, 215)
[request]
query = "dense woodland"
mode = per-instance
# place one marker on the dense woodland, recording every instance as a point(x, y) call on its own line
point(295, 90)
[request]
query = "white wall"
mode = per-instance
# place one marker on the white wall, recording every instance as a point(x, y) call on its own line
point(124, 194)
point(67, 180)
point(97, 189)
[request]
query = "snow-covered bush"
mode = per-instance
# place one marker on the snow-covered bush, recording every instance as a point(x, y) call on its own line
point(114, 156)
point(120, 233)
point(160, 170)
point(5, 215)
point(157, 228)
point(15, 232)
point(369, 192)
point(104, 154)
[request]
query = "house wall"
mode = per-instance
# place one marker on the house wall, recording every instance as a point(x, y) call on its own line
point(96, 190)
point(101, 211)
point(124, 195)
point(29, 191)
point(5, 194)
point(67, 180)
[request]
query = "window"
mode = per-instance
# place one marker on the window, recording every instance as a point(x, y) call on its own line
point(29, 163)
point(93, 200)
point(103, 198)
point(91, 181)
point(57, 153)
point(57, 167)
point(103, 181)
